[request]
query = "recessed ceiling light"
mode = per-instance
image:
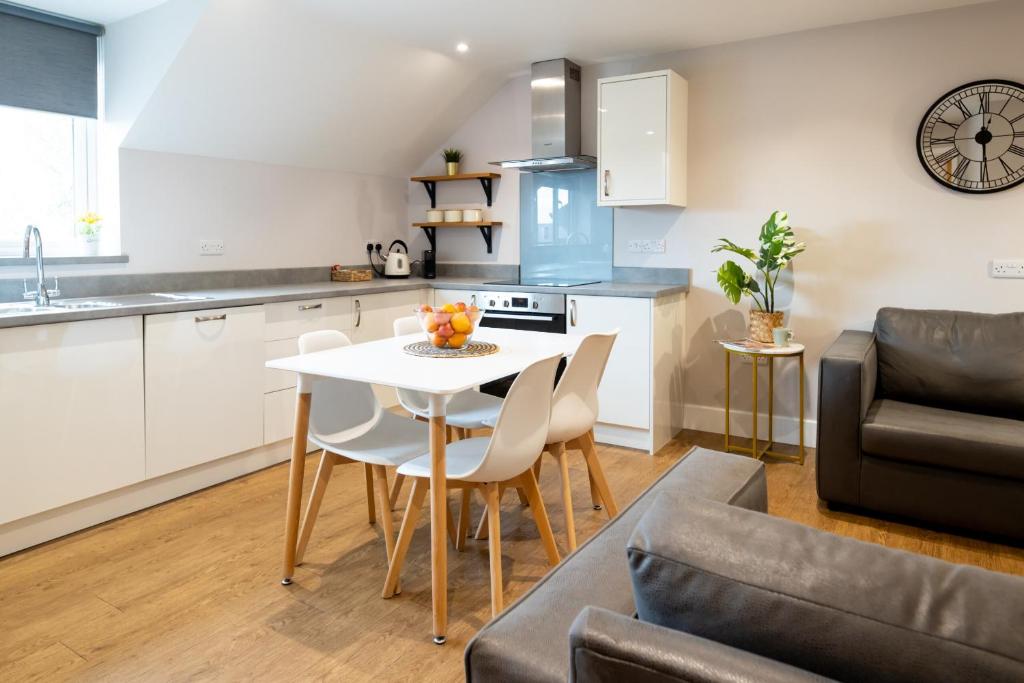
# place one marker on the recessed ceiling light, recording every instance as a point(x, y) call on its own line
point(462, 47)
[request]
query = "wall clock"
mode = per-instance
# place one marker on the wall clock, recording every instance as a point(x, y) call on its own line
point(972, 138)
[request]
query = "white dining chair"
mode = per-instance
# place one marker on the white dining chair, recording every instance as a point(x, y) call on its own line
point(574, 410)
point(348, 423)
point(466, 411)
point(489, 465)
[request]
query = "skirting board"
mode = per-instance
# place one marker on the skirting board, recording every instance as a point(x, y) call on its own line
point(712, 419)
point(629, 437)
point(45, 526)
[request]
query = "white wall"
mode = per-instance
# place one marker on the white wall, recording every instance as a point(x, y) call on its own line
point(268, 216)
point(498, 131)
point(822, 124)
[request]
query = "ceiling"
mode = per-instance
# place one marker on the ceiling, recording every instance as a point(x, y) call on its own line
point(98, 11)
point(376, 86)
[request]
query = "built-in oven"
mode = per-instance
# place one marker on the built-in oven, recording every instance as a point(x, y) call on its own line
point(521, 311)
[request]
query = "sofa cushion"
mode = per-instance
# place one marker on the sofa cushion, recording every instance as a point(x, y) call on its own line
point(972, 362)
point(835, 606)
point(944, 438)
point(529, 641)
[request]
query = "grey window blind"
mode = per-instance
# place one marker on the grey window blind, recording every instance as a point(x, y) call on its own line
point(47, 62)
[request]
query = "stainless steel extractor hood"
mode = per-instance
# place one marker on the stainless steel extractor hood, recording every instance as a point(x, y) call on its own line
point(555, 119)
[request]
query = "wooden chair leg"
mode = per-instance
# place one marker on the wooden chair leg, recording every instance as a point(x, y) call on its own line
point(463, 530)
point(595, 496)
point(368, 470)
point(396, 490)
point(524, 500)
point(481, 528)
point(412, 515)
point(323, 475)
point(540, 516)
point(453, 534)
point(597, 473)
point(536, 467)
point(492, 497)
point(558, 450)
point(380, 474)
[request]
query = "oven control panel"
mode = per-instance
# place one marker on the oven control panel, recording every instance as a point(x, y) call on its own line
point(520, 302)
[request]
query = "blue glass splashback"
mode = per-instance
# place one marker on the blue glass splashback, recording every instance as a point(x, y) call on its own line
point(563, 233)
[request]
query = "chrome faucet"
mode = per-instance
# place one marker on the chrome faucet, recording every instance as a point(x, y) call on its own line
point(41, 295)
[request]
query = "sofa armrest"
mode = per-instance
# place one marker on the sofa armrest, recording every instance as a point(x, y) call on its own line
point(846, 387)
point(607, 646)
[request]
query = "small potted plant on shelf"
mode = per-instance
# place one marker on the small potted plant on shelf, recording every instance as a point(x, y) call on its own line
point(452, 157)
point(778, 247)
point(90, 225)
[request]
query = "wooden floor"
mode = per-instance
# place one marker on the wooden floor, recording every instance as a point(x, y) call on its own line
point(189, 589)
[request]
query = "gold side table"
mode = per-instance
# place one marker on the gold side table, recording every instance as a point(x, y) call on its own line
point(771, 353)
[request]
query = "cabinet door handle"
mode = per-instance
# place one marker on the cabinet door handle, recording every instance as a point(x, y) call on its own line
point(572, 312)
point(310, 307)
point(210, 318)
point(607, 173)
point(359, 313)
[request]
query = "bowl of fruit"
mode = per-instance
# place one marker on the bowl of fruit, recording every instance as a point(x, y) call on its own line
point(450, 326)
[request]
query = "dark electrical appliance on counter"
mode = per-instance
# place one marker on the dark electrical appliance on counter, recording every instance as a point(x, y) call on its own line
point(521, 311)
point(429, 266)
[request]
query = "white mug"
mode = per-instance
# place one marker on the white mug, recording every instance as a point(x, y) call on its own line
point(782, 336)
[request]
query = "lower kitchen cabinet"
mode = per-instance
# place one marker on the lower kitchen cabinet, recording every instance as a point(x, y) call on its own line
point(374, 318)
point(71, 401)
point(640, 396)
point(205, 386)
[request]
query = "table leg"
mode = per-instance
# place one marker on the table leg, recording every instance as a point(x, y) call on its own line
point(438, 517)
point(801, 409)
point(771, 401)
point(753, 409)
point(295, 475)
point(728, 375)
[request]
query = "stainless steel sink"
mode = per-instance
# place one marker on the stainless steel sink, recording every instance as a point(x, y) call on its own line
point(24, 309)
point(84, 305)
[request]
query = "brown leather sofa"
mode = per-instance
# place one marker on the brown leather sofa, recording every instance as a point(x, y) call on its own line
point(924, 418)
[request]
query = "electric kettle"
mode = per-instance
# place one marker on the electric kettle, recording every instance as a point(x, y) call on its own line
point(397, 263)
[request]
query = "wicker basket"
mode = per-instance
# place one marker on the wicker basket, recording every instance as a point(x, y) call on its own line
point(351, 275)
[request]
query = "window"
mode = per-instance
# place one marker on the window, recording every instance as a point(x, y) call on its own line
point(47, 178)
point(49, 101)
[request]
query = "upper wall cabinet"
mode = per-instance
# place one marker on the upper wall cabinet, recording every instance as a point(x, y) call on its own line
point(641, 139)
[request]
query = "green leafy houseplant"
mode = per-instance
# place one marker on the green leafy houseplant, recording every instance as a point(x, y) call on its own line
point(451, 155)
point(777, 248)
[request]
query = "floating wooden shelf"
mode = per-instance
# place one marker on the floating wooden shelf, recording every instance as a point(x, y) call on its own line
point(430, 183)
point(431, 230)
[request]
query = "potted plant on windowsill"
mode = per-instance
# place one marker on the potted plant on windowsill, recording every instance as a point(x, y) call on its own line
point(777, 248)
point(452, 157)
point(89, 227)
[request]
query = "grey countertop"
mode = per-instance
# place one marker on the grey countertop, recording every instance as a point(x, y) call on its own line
point(148, 304)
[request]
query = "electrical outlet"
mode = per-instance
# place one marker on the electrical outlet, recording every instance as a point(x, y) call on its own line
point(646, 246)
point(1007, 268)
point(211, 247)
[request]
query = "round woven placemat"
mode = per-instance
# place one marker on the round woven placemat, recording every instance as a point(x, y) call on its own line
point(473, 349)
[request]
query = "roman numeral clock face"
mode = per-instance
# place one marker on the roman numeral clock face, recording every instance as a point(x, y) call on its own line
point(972, 139)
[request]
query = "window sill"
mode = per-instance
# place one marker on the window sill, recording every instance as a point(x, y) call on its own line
point(63, 260)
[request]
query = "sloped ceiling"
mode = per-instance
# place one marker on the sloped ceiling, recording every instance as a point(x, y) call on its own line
point(375, 85)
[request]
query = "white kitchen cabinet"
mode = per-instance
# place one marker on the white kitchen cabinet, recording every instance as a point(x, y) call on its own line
point(628, 373)
point(640, 397)
point(292, 319)
point(641, 139)
point(204, 386)
point(453, 296)
point(375, 315)
point(71, 409)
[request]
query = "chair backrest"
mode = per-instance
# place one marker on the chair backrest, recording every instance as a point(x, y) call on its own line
point(522, 426)
point(574, 405)
point(416, 402)
point(341, 409)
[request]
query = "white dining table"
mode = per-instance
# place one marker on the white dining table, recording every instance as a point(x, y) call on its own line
point(384, 362)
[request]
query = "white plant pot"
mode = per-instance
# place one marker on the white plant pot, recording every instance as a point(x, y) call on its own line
point(472, 215)
point(90, 246)
point(435, 215)
point(453, 216)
